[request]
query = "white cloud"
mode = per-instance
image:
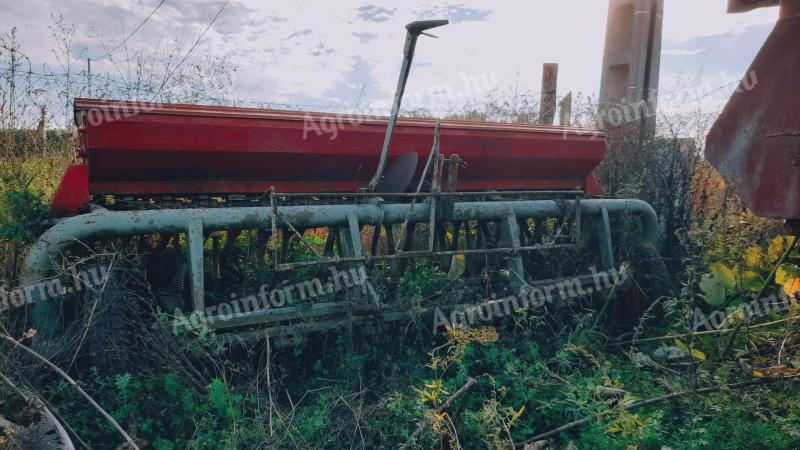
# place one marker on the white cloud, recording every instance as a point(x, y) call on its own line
point(303, 52)
point(687, 19)
point(681, 51)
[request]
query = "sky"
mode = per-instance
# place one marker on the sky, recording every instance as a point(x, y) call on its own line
point(335, 53)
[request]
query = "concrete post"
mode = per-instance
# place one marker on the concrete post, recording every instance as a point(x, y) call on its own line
point(547, 107)
point(631, 63)
point(565, 111)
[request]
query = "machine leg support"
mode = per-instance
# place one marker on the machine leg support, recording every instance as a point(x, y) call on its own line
point(351, 241)
point(511, 238)
point(604, 238)
point(194, 241)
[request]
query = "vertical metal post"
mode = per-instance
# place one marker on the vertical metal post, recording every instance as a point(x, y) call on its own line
point(351, 243)
point(511, 237)
point(274, 223)
point(435, 188)
point(576, 227)
point(447, 208)
point(604, 238)
point(194, 242)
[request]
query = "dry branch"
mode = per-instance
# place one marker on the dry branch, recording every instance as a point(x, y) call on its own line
point(75, 385)
point(38, 403)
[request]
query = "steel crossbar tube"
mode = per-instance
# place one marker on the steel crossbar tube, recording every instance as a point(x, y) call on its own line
point(427, 194)
point(105, 224)
point(109, 224)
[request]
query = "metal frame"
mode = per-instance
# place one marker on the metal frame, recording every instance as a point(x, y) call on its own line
point(196, 222)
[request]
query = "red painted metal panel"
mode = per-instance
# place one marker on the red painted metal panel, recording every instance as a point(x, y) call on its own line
point(72, 195)
point(737, 6)
point(157, 149)
point(755, 143)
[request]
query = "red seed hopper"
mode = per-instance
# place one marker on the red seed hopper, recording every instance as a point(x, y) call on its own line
point(138, 149)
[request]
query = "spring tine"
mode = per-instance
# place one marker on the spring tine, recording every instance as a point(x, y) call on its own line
point(447, 260)
point(526, 230)
point(274, 223)
point(337, 243)
point(577, 227)
point(400, 265)
point(230, 239)
point(538, 231)
point(470, 239)
point(215, 261)
point(441, 241)
point(376, 237)
point(286, 238)
point(498, 230)
point(330, 240)
point(390, 248)
point(260, 250)
point(456, 235)
point(524, 234)
point(485, 237)
point(410, 231)
point(143, 245)
point(163, 242)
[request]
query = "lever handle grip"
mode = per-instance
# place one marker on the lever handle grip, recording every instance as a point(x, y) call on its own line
point(419, 26)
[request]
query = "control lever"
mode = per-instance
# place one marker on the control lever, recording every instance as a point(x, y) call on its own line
point(413, 30)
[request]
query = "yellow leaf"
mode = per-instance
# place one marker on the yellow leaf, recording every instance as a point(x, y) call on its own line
point(758, 374)
point(752, 281)
point(793, 288)
point(785, 272)
point(681, 346)
point(788, 276)
point(440, 416)
point(458, 265)
point(435, 384)
point(428, 396)
point(698, 355)
point(724, 274)
point(778, 246)
point(754, 258)
point(518, 413)
point(734, 318)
